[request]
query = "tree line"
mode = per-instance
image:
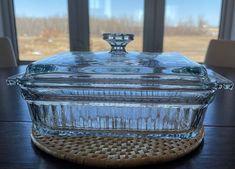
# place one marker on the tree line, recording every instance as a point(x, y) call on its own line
point(58, 26)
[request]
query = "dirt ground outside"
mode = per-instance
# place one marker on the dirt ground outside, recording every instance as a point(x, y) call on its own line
point(36, 47)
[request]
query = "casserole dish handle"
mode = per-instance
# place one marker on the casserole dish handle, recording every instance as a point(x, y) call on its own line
point(219, 81)
point(14, 80)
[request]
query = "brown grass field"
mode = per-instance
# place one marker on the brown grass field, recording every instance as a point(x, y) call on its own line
point(36, 47)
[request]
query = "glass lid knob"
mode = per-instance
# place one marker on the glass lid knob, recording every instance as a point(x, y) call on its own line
point(118, 41)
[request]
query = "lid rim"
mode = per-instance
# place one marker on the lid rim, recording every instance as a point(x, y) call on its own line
point(152, 68)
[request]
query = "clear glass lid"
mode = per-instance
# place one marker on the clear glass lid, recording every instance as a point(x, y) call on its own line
point(122, 68)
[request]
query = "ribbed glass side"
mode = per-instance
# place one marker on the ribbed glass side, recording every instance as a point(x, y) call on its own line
point(116, 119)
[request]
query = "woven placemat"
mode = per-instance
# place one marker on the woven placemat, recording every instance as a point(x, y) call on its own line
point(115, 152)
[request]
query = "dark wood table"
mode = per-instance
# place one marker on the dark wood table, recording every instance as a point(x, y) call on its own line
point(17, 151)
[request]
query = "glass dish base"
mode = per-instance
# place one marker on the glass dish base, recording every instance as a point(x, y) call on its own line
point(134, 120)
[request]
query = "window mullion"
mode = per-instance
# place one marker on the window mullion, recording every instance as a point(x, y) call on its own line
point(154, 11)
point(78, 25)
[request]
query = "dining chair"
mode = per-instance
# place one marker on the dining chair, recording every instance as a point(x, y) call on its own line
point(221, 53)
point(7, 55)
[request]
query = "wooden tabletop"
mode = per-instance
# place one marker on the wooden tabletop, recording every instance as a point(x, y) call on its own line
point(17, 151)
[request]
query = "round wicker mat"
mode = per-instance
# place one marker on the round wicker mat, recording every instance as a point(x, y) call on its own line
point(115, 152)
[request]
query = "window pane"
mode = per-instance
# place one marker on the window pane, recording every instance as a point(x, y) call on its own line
point(124, 16)
point(190, 25)
point(42, 28)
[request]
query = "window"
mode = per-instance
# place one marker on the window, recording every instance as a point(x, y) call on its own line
point(116, 16)
point(42, 28)
point(190, 25)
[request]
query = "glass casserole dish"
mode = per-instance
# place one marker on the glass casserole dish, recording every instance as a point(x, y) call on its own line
point(119, 94)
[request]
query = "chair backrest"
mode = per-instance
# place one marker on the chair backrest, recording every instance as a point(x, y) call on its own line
point(221, 53)
point(7, 55)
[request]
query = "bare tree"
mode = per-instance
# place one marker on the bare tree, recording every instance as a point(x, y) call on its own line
point(58, 25)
